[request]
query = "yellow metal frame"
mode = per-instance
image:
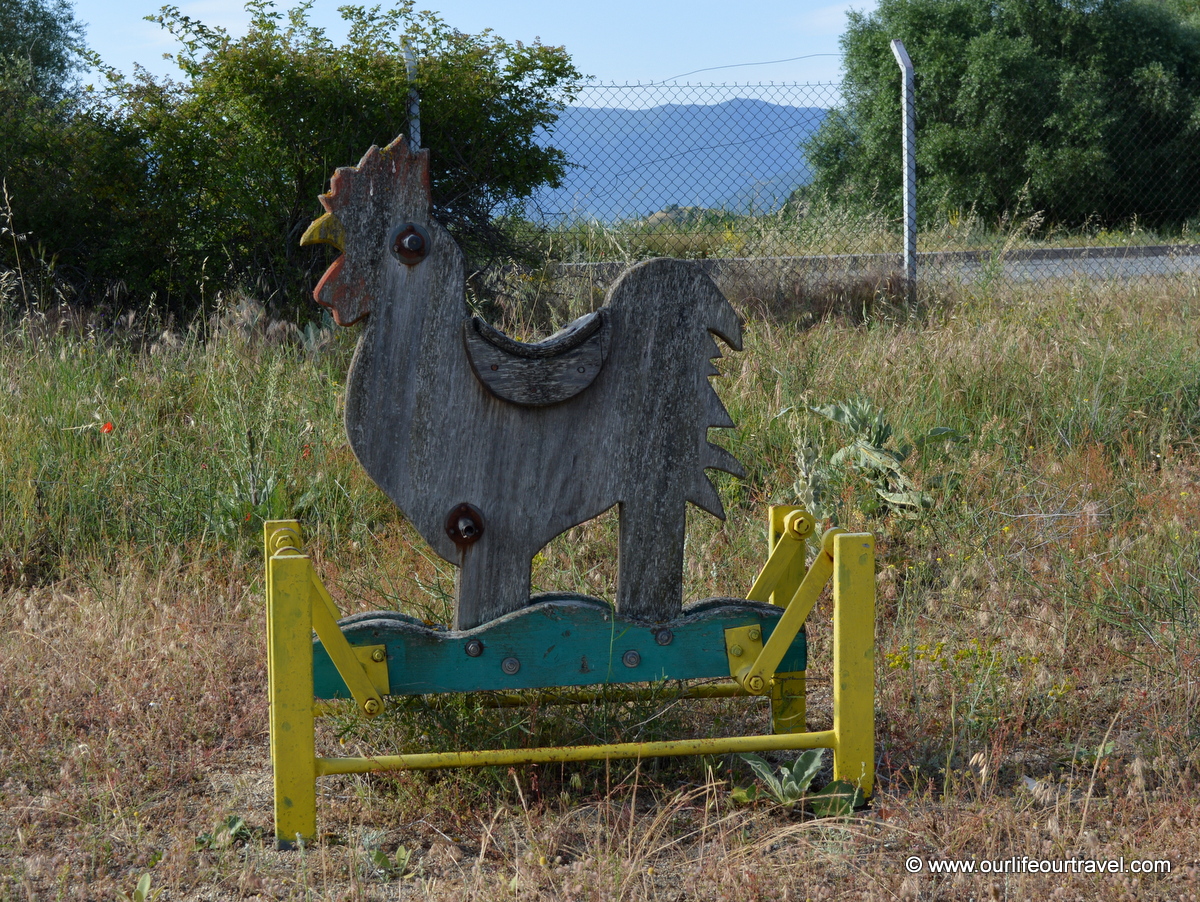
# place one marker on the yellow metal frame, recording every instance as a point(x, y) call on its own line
point(585, 696)
point(298, 604)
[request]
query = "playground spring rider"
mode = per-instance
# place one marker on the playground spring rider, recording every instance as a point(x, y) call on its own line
point(491, 447)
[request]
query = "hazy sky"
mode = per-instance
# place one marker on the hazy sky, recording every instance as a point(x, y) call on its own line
point(618, 40)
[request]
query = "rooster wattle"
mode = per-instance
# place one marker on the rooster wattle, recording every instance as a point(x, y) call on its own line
point(491, 447)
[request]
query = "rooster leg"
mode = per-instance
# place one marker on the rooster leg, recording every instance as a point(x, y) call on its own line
point(650, 560)
point(493, 580)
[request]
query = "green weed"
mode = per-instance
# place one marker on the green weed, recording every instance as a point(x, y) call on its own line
point(142, 892)
point(791, 784)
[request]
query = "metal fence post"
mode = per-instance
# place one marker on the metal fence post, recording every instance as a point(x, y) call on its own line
point(909, 135)
point(414, 99)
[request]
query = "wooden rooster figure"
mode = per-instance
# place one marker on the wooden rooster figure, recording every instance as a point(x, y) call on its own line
point(492, 447)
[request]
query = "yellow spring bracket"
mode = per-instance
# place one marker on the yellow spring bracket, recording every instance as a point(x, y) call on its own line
point(850, 559)
point(298, 604)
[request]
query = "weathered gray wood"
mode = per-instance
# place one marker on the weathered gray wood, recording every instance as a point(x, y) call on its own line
point(433, 437)
point(547, 372)
point(565, 339)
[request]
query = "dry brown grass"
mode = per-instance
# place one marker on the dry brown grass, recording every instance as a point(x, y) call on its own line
point(1037, 636)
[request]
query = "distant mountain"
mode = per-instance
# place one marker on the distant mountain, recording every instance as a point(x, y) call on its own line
point(739, 155)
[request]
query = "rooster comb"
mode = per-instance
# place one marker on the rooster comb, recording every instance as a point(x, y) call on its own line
point(378, 169)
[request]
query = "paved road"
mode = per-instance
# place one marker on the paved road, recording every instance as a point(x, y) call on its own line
point(970, 267)
point(1040, 264)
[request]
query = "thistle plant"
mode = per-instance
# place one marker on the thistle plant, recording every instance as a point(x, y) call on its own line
point(874, 453)
point(836, 799)
point(792, 783)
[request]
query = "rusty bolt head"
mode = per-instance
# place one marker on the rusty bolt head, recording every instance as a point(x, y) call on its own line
point(409, 243)
point(663, 636)
point(464, 525)
point(510, 665)
point(631, 658)
point(378, 656)
point(371, 707)
point(286, 539)
point(754, 634)
point(474, 648)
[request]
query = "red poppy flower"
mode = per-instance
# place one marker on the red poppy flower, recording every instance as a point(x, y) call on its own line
point(106, 428)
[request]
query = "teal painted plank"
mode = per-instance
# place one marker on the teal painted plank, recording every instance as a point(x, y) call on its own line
point(560, 640)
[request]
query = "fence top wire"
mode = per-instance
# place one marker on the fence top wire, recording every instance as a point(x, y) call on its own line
point(708, 84)
point(639, 95)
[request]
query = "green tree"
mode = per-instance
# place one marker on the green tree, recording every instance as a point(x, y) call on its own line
point(1087, 108)
point(70, 170)
point(165, 191)
point(39, 42)
point(75, 190)
point(238, 151)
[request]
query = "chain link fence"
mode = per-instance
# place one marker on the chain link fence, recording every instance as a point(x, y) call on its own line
point(718, 173)
point(715, 173)
point(1126, 207)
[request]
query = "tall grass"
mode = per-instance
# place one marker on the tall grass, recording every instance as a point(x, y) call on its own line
point(131, 439)
point(798, 229)
point(1037, 630)
point(819, 227)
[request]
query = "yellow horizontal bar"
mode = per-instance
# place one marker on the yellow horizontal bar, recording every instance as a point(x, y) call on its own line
point(824, 739)
point(582, 696)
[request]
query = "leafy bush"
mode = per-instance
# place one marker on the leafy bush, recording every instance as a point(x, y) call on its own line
point(793, 782)
point(38, 38)
point(875, 453)
point(77, 203)
point(1095, 106)
point(207, 183)
point(838, 799)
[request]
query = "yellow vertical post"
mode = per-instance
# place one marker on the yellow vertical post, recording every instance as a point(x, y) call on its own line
point(788, 690)
point(268, 541)
point(277, 535)
point(854, 659)
point(290, 678)
point(789, 702)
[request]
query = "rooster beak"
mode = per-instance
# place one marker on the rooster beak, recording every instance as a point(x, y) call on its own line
point(325, 229)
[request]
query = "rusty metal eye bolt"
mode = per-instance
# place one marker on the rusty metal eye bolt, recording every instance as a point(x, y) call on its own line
point(409, 243)
point(464, 525)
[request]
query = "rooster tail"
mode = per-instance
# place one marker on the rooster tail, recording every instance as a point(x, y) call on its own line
point(721, 320)
point(702, 492)
point(704, 495)
point(680, 299)
point(718, 416)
